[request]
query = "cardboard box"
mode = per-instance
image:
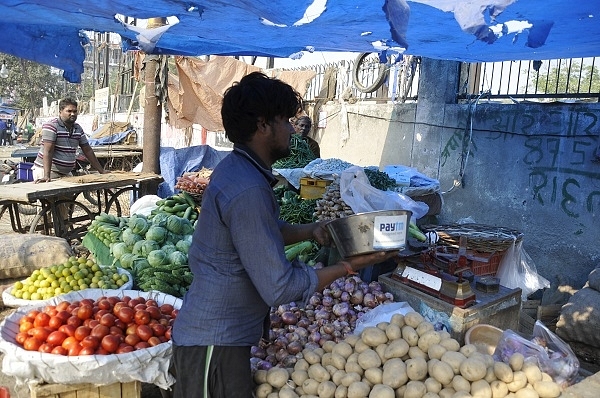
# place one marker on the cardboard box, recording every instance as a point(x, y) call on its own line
point(117, 390)
point(312, 188)
point(500, 309)
point(24, 172)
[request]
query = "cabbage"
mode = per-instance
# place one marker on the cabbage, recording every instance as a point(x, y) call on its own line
point(127, 259)
point(156, 258)
point(137, 247)
point(175, 224)
point(178, 258)
point(138, 224)
point(157, 234)
point(129, 237)
point(173, 238)
point(168, 248)
point(183, 246)
point(118, 249)
point(160, 219)
point(143, 247)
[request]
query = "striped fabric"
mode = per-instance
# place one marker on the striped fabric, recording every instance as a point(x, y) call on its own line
point(65, 145)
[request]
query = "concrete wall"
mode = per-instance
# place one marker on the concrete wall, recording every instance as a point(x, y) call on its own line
point(527, 166)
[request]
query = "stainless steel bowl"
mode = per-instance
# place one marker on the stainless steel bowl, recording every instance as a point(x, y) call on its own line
point(370, 232)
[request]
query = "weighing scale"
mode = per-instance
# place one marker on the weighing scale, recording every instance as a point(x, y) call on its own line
point(440, 273)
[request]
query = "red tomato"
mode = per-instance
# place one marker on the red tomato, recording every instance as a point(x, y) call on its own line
point(87, 301)
point(126, 314)
point(69, 342)
point(87, 351)
point(132, 339)
point(74, 321)
point(153, 341)
point(21, 337)
point(32, 344)
point(118, 306)
point(74, 349)
point(62, 306)
point(90, 342)
point(56, 338)
point(55, 322)
point(69, 330)
point(154, 312)
point(126, 299)
point(64, 315)
point(41, 319)
point(166, 309)
point(100, 331)
point(81, 332)
point(85, 312)
point(59, 350)
point(110, 343)
point(131, 329)
point(135, 301)
point(107, 319)
point(140, 307)
point(93, 323)
point(100, 313)
point(46, 348)
point(144, 332)
point(168, 333)
point(158, 329)
point(142, 317)
point(104, 304)
point(141, 345)
point(124, 348)
point(113, 300)
point(101, 351)
point(40, 333)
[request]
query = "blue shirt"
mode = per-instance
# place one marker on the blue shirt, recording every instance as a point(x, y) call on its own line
point(238, 259)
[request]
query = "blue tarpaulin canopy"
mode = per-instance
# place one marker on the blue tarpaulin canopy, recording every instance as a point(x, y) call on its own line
point(53, 32)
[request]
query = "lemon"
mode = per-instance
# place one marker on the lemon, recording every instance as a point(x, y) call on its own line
point(19, 285)
point(35, 296)
point(26, 296)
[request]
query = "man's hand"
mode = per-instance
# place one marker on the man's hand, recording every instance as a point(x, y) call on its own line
point(321, 234)
point(43, 179)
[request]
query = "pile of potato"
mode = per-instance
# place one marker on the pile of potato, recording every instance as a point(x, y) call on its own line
point(404, 358)
point(331, 206)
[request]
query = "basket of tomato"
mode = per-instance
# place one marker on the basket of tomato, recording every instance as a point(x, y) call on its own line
point(109, 336)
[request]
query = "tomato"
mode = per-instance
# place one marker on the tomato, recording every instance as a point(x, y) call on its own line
point(32, 344)
point(131, 329)
point(100, 313)
point(25, 326)
point(110, 343)
point(100, 331)
point(74, 349)
point(135, 301)
point(113, 300)
point(85, 312)
point(142, 317)
point(69, 341)
point(115, 331)
point(158, 329)
point(126, 299)
point(120, 324)
point(104, 304)
point(64, 315)
point(51, 310)
point(154, 312)
point(141, 345)
point(87, 301)
point(144, 332)
point(74, 321)
point(140, 307)
point(126, 314)
point(62, 306)
point(55, 322)
point(41, 319)
point(124, 349)
point(32, 314)
point(132, 339)
point(69, 330)
point(101, 351)
point(153, 341)
point(93, 323)
point(174, 313)
point(166, 309)
point(59, 350)
point(90, 342)
point(151, 303)
point(21, 337)
point(107, 319)
point(87, 351)
point(81, 332)
point(40, 333)
point(56, 338)
point(46, 348)
point(168, 333)
point(117, 307)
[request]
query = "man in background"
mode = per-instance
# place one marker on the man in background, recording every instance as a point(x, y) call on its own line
point(302, 126)
point(3, 128)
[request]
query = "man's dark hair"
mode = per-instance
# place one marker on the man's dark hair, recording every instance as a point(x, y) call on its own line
point(62, 104)
point(255, 96)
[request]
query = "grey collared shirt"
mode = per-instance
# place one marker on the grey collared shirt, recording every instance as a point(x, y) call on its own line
point(238, 259)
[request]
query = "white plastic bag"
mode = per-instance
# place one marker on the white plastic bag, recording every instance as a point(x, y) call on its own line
point(144, 205)
point(381, 313)
point(361, 196)
point(517, 270)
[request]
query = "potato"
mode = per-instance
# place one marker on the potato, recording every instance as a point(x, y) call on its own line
point(318, 373)
point(338, 361)
point(360, 346)
point(301, 364)
point(343, 348)
point(444, 334)
point(433, 385)
point(369, 359)
point(350, 378)
point(310, 386)
point(398, 319)
point(260, 376)
point(532, 372)
point(337, 377)
point(299, 391)
point(454, 359)
point(326, 389)
point(410, 335)
point(358, 389)
point(526, 393)
point(547, 389)
point(351, 339)
point(380, 350)
point(394, 373)
point(447, 392)
point(473, 369)
point(442, 372)
point(274, 394)
point(436, 351)
point(415, 352)
point(382, 325)
point(328, 345)
point(400, 391)
point(415, 389)
point(263, 390)
point(546, 377)
point(382, 391)
point(503, 372)
point(430, 395)
point(396, 349)
point(430, 364)
point(490, 375)
point(288, 392)
point(326, 359)
point(461, 394)
point(459, 383)
point(516, 361)
point(428, 339)
point(277, 377)
point(393, 332)
point(373, 336)
point(374, 375)
point(416, 369)
point(424, 327)
point(331, 369)
point(299, 376)
point(311, 357)
point(353, 357)
point(481, 389)
point(367, 382)
point(450, 344)
point(519, 381)
point(468, 349)
point(341, 392)
point(413, 319)
point(499, 389)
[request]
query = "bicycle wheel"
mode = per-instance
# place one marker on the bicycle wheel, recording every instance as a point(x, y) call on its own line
point(368, 73)
point(120, 202)
point(77, 219)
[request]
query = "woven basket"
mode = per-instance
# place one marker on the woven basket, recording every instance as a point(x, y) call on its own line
point(483, 238)
point(196, 196)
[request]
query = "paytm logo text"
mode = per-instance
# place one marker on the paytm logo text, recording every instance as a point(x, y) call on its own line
point(392, 227)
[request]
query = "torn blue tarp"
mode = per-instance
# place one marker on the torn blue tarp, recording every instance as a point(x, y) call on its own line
point(52, 32)
point(111, 139)
point(175, 162)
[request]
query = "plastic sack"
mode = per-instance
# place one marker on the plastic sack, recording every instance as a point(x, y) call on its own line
point(517, 270)
point(144, 205)
point(362, 197)
point(552, 354)
point(326, 169)
point(381, 313)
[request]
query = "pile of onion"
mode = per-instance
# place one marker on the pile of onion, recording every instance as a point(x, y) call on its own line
point(330, 315)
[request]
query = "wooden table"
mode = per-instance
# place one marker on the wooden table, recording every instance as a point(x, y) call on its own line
point(65, 207)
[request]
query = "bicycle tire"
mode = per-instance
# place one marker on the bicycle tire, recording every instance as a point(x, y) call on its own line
point(119, 204)
point(76, 222)
point(365, 66)
point(28, 210)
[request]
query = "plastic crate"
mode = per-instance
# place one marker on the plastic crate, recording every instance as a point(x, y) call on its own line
point(312, 188)
point(24, 172)
point(485, 264)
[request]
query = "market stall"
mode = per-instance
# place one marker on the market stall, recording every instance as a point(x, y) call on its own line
point(84, 197)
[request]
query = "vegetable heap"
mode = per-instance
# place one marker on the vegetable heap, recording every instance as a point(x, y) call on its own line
point(404, 357)
point(194, 183)
point(300, 155)
point(292, 208)
point(380, 179)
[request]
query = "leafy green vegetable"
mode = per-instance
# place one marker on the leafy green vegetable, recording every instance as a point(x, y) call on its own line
point(156, 258)
point(157, 234)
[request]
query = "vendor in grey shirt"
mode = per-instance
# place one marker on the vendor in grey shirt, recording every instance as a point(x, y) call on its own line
point(237, 254)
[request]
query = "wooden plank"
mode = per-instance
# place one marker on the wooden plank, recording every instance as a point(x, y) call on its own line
point(116, 390)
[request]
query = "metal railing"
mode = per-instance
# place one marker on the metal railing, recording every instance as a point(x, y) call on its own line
point(545, 80)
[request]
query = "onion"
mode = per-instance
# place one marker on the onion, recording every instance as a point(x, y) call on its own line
point(271, 359)
point(276, 321)
point(322, 314)
point(349, 286)
point(370, 300)
point(340, 309)
point(283, 308)
point(264, 365)
point(327, 328)
point(311, 345)
point(345, 296)
point(380, 296)
point(357, 297)
point(294, 347)
point(271, 351)
point(281, 341)
point(281, 354)
point(336, 292)
point(301, 332)
point(258, 352)
point(314, 300)
point(314, 337)
point(289, 318)
point(328, 300)
point(289, 361)
point(302, 323)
